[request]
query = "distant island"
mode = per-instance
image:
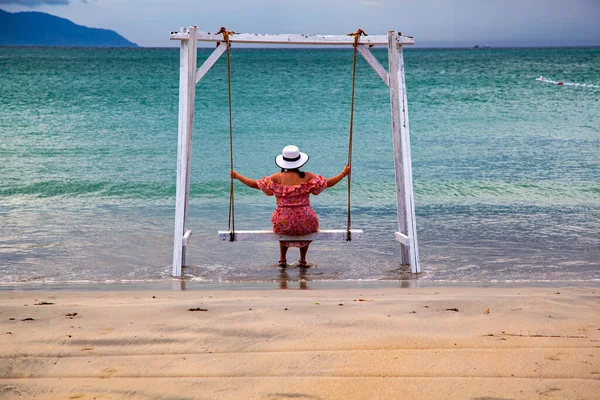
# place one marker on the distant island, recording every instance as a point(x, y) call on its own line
point(41, 29)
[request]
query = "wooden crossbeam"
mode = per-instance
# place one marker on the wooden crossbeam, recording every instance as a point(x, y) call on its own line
point(402, 238)
point(374, 63)
point(186, 237)
point(210, 61)
point(255, 38)
point(266, 235)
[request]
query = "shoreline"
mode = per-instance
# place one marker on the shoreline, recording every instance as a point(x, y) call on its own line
point(289, 284)
point(435, 342)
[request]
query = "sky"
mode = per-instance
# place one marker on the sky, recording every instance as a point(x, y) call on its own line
point(433, 23)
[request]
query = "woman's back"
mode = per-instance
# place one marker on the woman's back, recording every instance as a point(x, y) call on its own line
point(291, 178)
point(293, 216)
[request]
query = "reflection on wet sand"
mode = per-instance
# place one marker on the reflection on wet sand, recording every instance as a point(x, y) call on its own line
point(284, 278)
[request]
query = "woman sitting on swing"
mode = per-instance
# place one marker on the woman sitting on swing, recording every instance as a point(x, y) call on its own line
point(292, 188)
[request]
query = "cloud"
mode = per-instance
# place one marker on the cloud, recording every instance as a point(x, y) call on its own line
point(371, 3)
point(35, 3)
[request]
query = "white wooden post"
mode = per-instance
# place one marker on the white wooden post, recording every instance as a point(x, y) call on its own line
point(407, 234)
point(415, 264)
point(187, 94)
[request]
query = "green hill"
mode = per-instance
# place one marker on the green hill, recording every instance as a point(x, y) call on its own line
point(41, 29)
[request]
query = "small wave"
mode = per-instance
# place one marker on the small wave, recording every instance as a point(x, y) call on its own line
point(141, 190)
point(561, 83)
point(507, 192)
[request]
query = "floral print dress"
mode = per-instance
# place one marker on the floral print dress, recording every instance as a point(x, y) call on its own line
point(294, 215)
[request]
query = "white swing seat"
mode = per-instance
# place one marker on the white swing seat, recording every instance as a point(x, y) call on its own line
point(266, 235)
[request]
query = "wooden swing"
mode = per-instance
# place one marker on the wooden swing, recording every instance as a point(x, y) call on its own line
point(231, 234)
point(188, 78)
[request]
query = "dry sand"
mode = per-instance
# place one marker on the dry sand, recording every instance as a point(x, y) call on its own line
point(429, 343)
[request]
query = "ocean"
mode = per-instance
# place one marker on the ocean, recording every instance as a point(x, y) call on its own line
point(506, 168)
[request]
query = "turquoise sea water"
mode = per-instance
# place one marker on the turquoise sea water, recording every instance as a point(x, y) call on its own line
point(506, 168)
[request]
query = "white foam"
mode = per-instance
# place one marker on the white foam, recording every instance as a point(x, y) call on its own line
point(560, 83)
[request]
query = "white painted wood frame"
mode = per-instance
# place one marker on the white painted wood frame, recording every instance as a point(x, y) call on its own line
point(374, 63)
point(407, 232)
point(187, 94)
point(294, 39)
point(189, 77)
point(269, 235)
point(210, 61)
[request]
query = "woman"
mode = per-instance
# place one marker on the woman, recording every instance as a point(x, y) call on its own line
point(293, 216)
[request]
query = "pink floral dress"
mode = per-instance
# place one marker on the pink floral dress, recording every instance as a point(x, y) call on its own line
point(294, 216)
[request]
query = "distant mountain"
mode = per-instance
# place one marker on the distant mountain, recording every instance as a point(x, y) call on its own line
point(41, 29)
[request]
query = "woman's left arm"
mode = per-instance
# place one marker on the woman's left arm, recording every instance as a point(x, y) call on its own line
point(244, 179)
point(335, 179)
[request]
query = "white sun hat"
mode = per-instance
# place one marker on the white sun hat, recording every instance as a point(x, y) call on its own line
point(291, 158)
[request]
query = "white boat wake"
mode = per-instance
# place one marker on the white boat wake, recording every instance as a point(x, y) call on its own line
point(560, 83)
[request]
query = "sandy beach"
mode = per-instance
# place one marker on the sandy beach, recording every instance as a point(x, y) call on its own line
point(357, 343)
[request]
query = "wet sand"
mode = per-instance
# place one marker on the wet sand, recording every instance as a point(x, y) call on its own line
point(345, 343)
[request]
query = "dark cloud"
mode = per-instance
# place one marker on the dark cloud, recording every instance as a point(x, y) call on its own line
point(35, 3)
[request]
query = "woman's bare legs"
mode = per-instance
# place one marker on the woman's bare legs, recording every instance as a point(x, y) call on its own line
point(282, 254)
point(303, 251)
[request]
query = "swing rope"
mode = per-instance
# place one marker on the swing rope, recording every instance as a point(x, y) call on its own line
point(357, 36)
point(231, 218)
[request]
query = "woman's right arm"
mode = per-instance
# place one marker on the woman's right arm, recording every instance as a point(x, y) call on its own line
point(244, 179)
point(335, 179)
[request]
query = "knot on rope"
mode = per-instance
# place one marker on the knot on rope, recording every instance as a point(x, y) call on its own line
point(226, 34)
point(357, 35)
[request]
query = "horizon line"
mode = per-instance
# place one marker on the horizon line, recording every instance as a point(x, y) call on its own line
point(308, 47)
